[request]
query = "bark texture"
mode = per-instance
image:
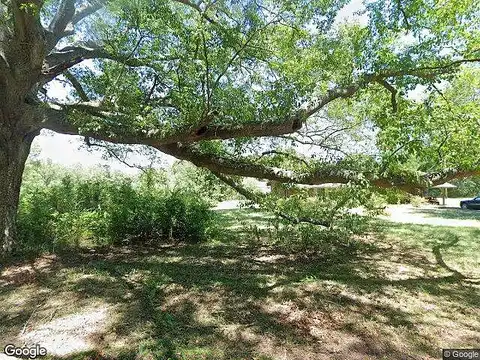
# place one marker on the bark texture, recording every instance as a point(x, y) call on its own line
point(14, 150)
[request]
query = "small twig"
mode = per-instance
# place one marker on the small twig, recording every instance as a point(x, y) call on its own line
point(30, 317)
point(113, 154)
point(405, 17)
point(276, 152)
point(53, 314)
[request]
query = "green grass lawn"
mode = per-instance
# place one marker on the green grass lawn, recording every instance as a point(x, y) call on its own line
point(406, 293)
point(449, 213)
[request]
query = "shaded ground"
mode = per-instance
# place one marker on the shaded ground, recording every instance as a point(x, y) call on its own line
point(404, 293)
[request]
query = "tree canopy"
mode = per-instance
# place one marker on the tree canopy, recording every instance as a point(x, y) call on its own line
point(282, 90)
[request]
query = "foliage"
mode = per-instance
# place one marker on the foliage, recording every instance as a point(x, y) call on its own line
point(170, 64)
point(435, 134)
point(81, 210)
point(468, 187)
point(417, 201)
point(346, 210)
point(223, 83)
point(201, 182)
point(392, 196)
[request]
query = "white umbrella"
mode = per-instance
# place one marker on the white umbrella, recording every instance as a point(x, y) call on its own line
point(445, 188)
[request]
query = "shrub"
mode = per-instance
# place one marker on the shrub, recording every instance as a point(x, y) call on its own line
point(168, 215)
point(99, 210)
point(417, 201)
point(36, 221)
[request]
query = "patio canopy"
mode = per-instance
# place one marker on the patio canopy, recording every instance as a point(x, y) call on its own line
point(445, 186)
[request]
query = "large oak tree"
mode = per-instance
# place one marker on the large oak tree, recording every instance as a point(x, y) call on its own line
point(232, 85)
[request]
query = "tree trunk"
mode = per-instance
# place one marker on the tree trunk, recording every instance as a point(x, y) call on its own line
point(14, 150)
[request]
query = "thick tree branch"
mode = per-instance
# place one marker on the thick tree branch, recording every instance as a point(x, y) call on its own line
point(259, 199)
point(57, 119)
point(77, 86)
point(289, 125)
point(66, 17)
point(60, 26)
point(331, 173)
point(86, 10)
point(216, 132)
point(64, 14)
point(248, 168)
point(63, 59)
point(440, 177)
point(333, 94)
point(428, 72)
point(393, 92)
point(205, 131)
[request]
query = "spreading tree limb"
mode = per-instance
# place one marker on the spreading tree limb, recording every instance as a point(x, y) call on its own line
point(258, 199)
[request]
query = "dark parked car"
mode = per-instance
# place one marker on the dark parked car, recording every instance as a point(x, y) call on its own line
point(471, 204)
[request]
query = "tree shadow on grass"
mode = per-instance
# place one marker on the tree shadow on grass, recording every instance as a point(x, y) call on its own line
point(238, 302)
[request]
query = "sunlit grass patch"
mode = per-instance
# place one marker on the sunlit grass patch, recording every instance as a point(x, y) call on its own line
point(457, 248)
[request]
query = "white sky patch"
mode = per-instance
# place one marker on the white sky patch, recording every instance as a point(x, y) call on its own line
point(68, 151)
point(419, 93)
point(350, 13)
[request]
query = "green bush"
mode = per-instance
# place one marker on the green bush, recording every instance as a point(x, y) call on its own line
point(75, 211)
point(169, 215)
point(36, 221)
point(417, 201)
